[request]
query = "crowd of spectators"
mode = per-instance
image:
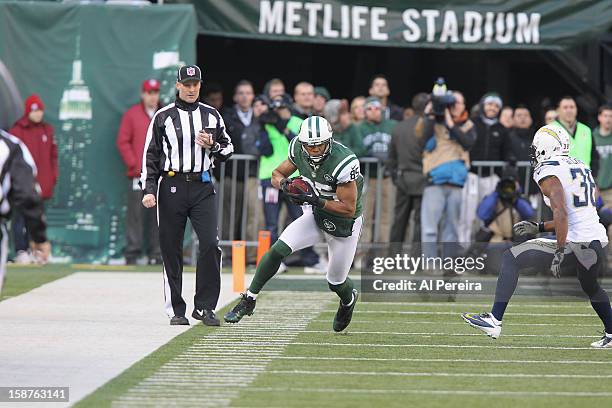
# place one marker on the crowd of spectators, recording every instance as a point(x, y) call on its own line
point(428, 188)
point(418, 164)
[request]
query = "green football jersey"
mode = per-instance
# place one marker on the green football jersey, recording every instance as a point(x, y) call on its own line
point(339, 167)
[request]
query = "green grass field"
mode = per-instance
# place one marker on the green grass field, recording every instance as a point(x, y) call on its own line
point(418, 354)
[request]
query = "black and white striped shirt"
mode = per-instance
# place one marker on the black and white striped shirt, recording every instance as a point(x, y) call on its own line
point(170, 143)
point(18, 186)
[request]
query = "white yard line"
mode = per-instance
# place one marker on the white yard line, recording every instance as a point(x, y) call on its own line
point(439, 322)
point(551, 305)
point(438, 374)
point(331, 390)
point(445, 360)
point(85, 329)
point(214, 370)
point(429, 334)
point(378, 345)
point(414, 312)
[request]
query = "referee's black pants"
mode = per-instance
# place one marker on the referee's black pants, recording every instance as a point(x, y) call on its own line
point(178, 199)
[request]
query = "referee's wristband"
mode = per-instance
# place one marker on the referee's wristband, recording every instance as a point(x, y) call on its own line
point(541, 226)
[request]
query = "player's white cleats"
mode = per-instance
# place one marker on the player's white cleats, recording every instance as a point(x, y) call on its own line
point(485, 322)
point(604, 342)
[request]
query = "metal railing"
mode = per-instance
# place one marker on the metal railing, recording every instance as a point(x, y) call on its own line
point(373, 171)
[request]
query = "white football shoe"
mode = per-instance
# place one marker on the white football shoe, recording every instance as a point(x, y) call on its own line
point(23, 258)
point(604, 342)
point(484, 322)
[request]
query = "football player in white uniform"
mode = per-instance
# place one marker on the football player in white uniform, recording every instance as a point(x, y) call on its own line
point(569, 189)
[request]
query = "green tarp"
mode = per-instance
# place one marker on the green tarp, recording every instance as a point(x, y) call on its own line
point(87, 63)
point(484, 24)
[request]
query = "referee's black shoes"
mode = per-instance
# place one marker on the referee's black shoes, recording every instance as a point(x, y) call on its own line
point(207, 317)
point(179, 321)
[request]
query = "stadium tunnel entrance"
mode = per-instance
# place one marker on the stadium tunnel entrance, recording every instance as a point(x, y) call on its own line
point(534, 78)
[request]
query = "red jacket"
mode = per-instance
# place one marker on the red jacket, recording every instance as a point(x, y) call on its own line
point(131, 138)
point(38, 137)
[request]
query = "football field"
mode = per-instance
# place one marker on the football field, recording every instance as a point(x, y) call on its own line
point(418, 354)
point(286, 355)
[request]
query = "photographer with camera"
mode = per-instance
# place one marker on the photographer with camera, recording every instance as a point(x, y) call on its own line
point(499, 211)
point(448, 134)
point(279, 127)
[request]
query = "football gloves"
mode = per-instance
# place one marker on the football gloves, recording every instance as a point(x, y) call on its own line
point(527, 228)
point(555, 267)
point(306, 197)
point(284, 185)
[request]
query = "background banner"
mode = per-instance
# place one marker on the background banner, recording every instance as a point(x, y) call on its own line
point(511, 24)
point(87, 63)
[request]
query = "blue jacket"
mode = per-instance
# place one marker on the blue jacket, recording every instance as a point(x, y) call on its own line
point(488, 206)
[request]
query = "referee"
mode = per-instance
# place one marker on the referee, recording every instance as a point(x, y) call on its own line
point(182, 141)
point(19, 189)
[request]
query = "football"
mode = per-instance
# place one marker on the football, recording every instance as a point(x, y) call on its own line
point(298, 186)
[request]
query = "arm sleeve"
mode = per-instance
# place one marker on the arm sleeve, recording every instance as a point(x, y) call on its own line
point(464, 134)
point(225, 142)
point(24, 193)
point(124, 139)
point(524, 209)
point(150, 158)
point(350, 172)
point(486, 208)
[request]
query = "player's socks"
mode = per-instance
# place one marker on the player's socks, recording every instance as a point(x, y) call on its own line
point(604, 312)
point(268, 265)
point(506, 285)
point(251, 294)
point(343, 290)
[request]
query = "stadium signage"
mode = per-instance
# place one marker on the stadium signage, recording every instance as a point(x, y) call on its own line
point(317, 19)
point(481, 24)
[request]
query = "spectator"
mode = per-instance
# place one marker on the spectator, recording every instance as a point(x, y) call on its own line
point(445, 165)
point(408, 112)
point(505, 117)
point(37, 135)
point(520, 137)
point(140, 222)
point(303, 94)
point(406, 167)
point(213, 96)
point(337, 113)
point(504, 207)
point(550, 116)
point(280, 126)
point(498, 212)
point(491, 144)
point(379, 88)
point(582, 145)
point(376, 130)
point(274, 88)
point(357, 110)
point(238, 119)
point(375, 133)
point(602, 135)
point(321, 96)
